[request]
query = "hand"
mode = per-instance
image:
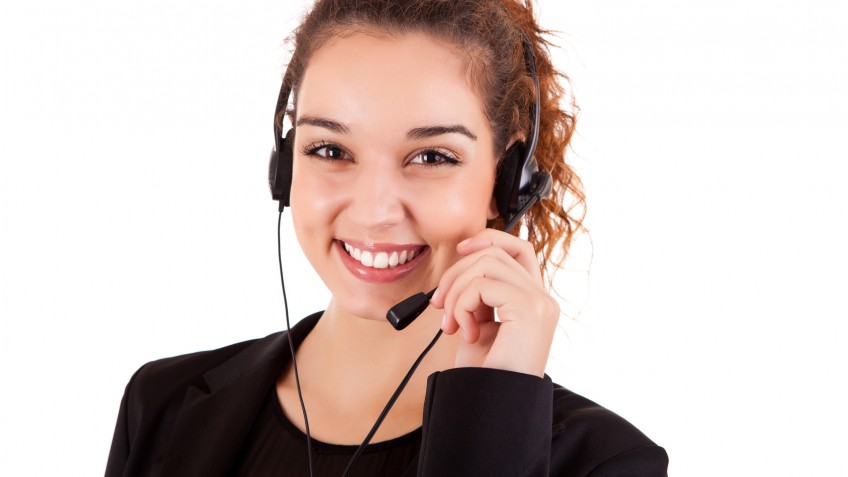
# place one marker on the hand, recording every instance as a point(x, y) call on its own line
point(498, 271)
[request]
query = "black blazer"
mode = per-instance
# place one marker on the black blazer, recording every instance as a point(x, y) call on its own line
point(189, 415)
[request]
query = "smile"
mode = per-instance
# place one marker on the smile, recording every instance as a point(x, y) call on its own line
point(380, 262)
point(382, 259)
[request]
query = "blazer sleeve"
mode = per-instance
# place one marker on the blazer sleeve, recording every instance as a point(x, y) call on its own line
point(120, 451)
point(480, 421)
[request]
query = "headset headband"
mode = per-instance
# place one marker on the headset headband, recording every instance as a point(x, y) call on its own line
point(518, 176)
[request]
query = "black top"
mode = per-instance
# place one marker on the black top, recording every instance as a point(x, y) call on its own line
point(275, 446)
point(192, 415)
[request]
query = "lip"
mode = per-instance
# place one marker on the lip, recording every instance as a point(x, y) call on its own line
point(379, 275)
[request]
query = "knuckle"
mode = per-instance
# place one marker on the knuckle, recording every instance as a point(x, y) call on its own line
point(552, 308)
point(476, 282)
point(488, 260)
point(482, 266)
point(546, 308)
point(503, 253)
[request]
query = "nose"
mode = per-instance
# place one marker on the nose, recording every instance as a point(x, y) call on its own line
point(378, 200)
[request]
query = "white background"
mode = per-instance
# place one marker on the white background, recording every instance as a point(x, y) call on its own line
point(137, 224)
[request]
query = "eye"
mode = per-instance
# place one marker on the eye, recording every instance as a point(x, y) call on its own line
point(330, 152)
point(434, 158)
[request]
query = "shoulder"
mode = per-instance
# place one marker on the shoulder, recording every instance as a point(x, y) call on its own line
point(157, 394)
point(162, 383)
point(589, 439)
point(177, 372)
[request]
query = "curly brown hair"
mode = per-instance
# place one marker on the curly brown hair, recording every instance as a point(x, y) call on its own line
point(490, 33)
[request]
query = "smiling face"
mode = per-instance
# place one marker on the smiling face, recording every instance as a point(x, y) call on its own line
point(393, 166)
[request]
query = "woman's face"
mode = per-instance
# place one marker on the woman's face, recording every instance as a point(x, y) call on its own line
point(393, 166)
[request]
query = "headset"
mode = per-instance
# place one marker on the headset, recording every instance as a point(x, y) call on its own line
point(518, 185)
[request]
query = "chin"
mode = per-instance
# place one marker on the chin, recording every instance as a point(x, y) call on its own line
point(371, 310)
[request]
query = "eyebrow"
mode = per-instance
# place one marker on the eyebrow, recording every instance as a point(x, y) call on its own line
point(415, 133)
point(430, 131)
point(324, 123)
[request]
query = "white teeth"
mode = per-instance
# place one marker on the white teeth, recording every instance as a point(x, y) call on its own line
point(379, 259)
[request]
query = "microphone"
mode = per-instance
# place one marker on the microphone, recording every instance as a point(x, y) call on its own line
point(405, 312)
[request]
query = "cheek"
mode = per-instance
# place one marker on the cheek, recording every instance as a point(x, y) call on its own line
point(308, 189)
point(455, 213)
point(313, 207)
point(455, 216)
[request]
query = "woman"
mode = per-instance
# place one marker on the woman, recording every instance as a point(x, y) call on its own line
point(408, 114)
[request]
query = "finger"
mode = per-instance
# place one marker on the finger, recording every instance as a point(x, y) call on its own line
point(468, 322)
point(476, 355)
point(476, 303)
point(512, 303)
point(520, 250)
point(490, 262)
point(485, 266)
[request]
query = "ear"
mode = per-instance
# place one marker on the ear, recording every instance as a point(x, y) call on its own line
point(516, 136)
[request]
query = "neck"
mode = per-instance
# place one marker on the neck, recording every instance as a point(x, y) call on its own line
point(365, 359)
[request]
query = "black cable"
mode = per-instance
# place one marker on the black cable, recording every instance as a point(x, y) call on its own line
point(386, 409)
point(391, 403)
point(291, 345)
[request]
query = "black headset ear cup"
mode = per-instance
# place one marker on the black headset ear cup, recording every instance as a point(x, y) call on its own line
point(280, 170)
point(507, 179)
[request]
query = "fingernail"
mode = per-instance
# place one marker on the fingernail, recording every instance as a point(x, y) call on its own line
point(463, 334)
point(464, 242)
point(435, 295)
point(444, 320)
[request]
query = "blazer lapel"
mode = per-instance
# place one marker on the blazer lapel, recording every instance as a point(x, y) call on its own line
point(212, 424)
point(211, 428)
